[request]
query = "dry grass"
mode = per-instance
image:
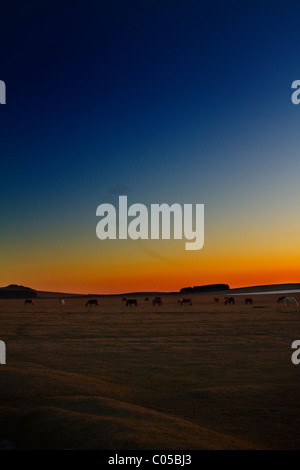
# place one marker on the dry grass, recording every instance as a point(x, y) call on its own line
point(170, 377)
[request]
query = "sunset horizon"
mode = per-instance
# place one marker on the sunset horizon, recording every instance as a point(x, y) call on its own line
point(148, 290)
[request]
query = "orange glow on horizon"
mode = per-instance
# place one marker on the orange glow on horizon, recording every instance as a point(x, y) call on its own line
point(170, 282)
point(129, 266)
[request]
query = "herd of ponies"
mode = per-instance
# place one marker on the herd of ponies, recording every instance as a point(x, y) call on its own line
point(288, 301)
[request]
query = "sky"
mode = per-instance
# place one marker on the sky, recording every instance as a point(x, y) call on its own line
point(183, 102)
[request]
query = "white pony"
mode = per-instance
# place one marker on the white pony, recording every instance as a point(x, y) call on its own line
point(290, 301)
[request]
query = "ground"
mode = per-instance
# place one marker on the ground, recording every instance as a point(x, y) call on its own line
point(204, 376)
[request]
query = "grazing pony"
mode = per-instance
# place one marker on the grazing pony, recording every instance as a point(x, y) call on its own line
point(157, 301)
point(131, 302)
point(248, 301)
point(229, 301)
point(28, 302)
point(91, 302)
point(186, 302)
point(290, 302)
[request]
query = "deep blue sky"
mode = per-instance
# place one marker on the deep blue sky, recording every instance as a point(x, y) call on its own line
point(166, 101)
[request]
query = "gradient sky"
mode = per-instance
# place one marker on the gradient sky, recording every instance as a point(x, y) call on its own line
point(164, 101)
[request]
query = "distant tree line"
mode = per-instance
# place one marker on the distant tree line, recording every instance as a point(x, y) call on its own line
point(208, 288)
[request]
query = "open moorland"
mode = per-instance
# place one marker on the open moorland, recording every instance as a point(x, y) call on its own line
point(205, 376)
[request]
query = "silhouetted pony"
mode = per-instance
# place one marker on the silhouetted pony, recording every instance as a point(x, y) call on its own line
point(157, 301)
point(229, 301)
point(186, 302)
point(91, 302)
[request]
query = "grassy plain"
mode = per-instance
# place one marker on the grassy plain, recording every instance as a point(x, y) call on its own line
point(205, 376)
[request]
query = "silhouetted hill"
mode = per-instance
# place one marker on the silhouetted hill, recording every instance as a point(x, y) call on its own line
point(13, 291)
point(266, 288)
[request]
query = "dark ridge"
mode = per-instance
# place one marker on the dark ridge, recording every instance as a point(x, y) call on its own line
point(266, 288)
point(202, 289)
point(13, 291)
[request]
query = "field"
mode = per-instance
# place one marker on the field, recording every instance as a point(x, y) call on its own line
point(205, 376)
